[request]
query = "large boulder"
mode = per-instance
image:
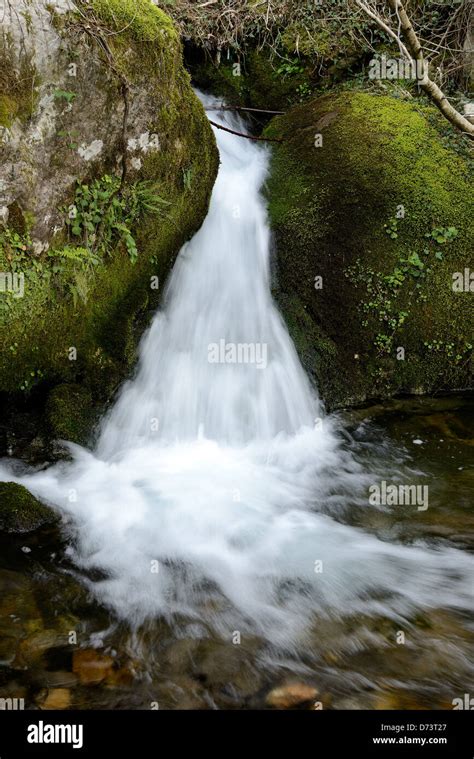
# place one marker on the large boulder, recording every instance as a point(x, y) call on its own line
point(107, 162)
point(372, 214)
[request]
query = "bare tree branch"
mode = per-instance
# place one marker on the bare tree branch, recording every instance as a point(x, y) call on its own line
point(247, 136)
point(410, 47)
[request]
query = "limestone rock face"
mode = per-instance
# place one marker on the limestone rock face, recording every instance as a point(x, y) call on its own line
point(63, 105)
point(35, 68)
point(91, 92)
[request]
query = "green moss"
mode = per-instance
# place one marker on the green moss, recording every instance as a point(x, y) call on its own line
point(104, 327)
point(146, 41)
point(16, 218)
point(221, 81)
point(143, 20)
point(329, 205)
point(273, 87)
point(7, 111)
point(261, 82)
point(20, 511)
point(18, 88)
point(69, 413)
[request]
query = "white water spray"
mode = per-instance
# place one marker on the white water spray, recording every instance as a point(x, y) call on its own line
point(203, 497)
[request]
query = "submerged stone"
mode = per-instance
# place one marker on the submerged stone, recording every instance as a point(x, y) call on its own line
point(90, 666)
point(56, 698)
point(291, 695)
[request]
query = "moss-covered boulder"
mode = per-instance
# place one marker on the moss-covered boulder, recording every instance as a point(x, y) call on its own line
point(20, 511)
point(107, 162)
point(372, 213)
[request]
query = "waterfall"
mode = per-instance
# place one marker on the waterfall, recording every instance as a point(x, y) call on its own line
point(214, 490)
point(218, 359)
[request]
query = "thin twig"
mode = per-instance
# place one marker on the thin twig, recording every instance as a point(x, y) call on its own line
point(241, 134)
point(241, 108)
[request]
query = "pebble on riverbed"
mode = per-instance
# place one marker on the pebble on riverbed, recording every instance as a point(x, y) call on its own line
point(91, 667)
point(57, 698)
point(291, 696)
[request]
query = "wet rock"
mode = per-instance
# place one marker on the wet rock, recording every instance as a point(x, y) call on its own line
point(13, 694)
point(90, 666)
point(181, 693)
point(19, 614)
point(8, 647)
point(69, 413)
point(352, 703)
point(180, 655)
point(399, 700)
point(291, 696)
point(20, 511)
point(16, 595)
point(57, 680)
point(32, 648)
point(57, 698)
point(228, 667)
point(121, 677)
point(63, 595)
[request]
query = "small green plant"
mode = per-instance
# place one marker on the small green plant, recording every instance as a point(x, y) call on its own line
point(290, 68)
point(303, 91)
point(71, 135)
point(103, 214)
point(64, 95)
point(382, 301)
point(413, 266)
point(455, 352)
point(33, 378)
point(391, 228)
point(100, 218)
point(384, 290)
point(13, 245)
point(442, 235)
point(83, 260)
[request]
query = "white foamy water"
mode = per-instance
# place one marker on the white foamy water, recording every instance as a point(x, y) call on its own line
point(216, 475)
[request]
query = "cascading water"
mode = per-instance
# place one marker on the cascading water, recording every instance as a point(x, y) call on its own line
point(218, 301)
point(212, 490)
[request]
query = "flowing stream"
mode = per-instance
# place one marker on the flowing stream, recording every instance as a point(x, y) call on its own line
point(218, 489)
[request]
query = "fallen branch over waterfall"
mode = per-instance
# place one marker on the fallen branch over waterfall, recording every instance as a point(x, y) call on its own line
point(247, 136)
point(242, 108)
